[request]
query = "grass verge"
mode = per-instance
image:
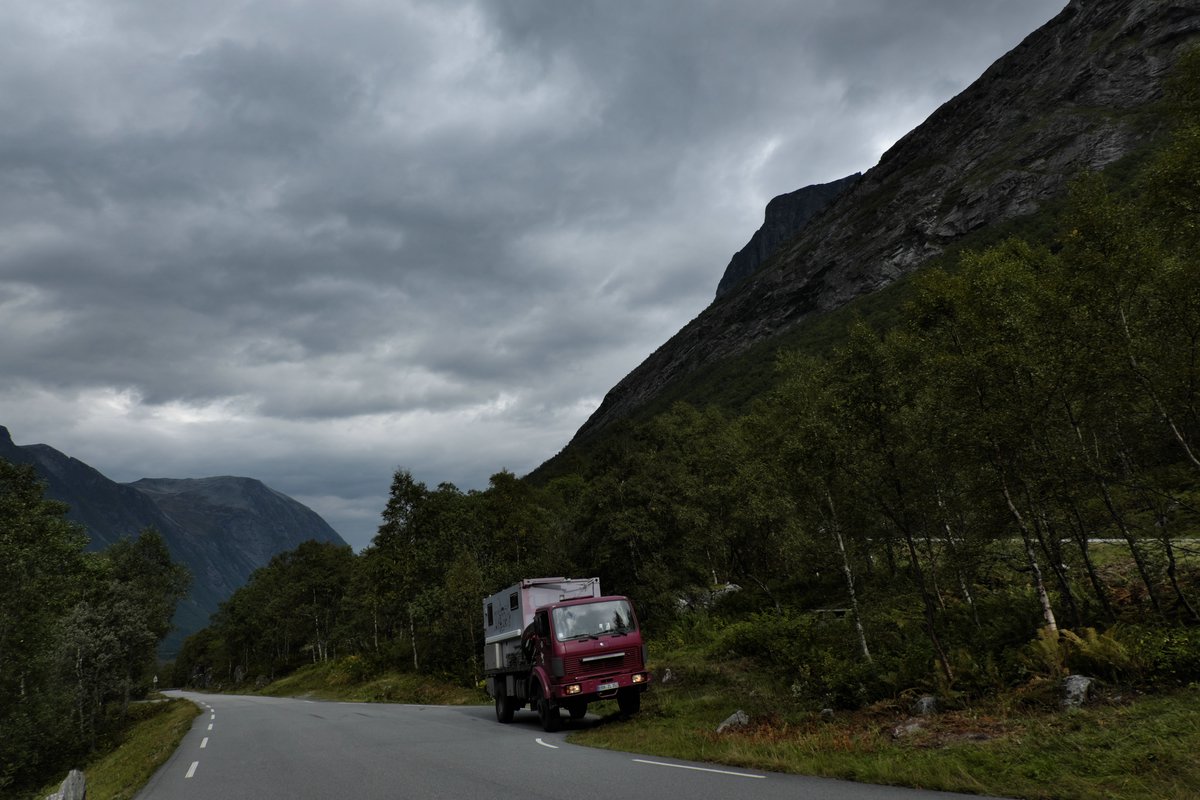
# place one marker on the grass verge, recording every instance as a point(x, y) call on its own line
point(1126, 748)
point(153, 732)
point(331, 681)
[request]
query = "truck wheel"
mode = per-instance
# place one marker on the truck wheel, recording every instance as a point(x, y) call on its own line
point(504, 708)
point(629, 701)
point(548, 713)
point(577, 710)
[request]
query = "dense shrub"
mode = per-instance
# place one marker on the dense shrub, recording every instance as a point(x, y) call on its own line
point(1163, 654)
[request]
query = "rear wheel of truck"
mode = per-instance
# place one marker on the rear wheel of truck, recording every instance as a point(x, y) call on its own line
point(629, 701)
point(504, 708)
point(576, 709)
point(548, 714)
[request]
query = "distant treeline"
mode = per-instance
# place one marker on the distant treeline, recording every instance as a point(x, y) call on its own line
point(937, 487)
point(78, 632)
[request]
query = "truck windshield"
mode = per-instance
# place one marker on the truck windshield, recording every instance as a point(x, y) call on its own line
point(593, 619)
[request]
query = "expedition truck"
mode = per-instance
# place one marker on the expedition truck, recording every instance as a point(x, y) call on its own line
point(553, 643)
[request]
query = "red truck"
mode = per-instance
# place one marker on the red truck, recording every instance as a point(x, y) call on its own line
point(555, 643)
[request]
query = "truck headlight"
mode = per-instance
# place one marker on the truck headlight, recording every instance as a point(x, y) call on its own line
point(639, 678)
point(574, 688)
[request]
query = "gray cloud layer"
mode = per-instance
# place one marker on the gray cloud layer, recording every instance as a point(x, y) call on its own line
point(310, 242)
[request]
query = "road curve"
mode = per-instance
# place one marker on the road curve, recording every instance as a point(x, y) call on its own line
point(265, 747)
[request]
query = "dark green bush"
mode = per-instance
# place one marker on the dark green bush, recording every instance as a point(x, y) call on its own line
point(1163, 654)
point(773, 640)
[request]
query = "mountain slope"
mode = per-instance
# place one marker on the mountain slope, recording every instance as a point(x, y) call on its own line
point(785, 217)
point(1076, 95)
point(221, 529)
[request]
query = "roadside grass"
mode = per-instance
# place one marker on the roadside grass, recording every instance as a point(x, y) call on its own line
point(153, 732)
point(333, 681)
point(1121, 748)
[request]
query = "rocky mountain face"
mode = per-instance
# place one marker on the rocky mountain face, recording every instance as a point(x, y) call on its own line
point(785, 217)
point(1072, 97)
point(221, 529)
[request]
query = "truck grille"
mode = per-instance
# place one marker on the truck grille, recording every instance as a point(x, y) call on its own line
point(576, 667)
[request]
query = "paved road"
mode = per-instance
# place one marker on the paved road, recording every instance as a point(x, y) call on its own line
point(264, 748)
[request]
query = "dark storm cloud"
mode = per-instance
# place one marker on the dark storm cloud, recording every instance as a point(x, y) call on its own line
point(311, 242)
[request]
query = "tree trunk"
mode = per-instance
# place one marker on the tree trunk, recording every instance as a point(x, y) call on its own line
point(412, 634)
point(1131, 540)
point(1171, 568)
point(930, 613)
point(953, 548)
point(1140, 374)
point(1044, 532)
point(849, 575)
point(1035, 571)
point(1080, 534)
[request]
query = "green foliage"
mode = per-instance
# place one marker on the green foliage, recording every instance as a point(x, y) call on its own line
point(78, 632)
point(1163, 655)
point(770, 639)
point(41, 572)
point(1054, 654)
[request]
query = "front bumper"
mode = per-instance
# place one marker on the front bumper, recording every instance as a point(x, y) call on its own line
point(589, 688)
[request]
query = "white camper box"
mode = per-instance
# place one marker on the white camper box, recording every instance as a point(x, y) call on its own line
point(507, 613)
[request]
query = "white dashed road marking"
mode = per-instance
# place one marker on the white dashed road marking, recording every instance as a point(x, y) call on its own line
point(543, 744)
point(192, 769)
point(698, 769)
point(210, 726)
point(204, 744)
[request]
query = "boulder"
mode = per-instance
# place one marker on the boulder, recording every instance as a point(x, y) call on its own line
point(667, 676)
point(1076, 689)
point(827, 714)
point(907, 729)
point(737, 719)
point(73, 788)
point(925, 705)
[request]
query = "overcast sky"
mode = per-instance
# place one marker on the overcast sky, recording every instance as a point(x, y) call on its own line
point(312, 242)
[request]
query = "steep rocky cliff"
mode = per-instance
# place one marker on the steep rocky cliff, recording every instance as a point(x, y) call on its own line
point(785, 217)
point(1073, 96)
point(221, 529)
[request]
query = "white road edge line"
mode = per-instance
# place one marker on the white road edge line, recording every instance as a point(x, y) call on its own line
point(698, 769)
point(204, 743)
point(192, 769)
point(543, 744)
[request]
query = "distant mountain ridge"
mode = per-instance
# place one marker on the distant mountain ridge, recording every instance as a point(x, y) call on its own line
point(1075, 96)
point(220, 528)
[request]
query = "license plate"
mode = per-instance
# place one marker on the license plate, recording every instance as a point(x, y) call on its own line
point(604, 687)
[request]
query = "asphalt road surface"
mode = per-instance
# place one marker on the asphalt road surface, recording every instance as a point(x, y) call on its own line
point(265, 748)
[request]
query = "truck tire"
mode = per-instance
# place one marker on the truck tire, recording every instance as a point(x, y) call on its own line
point(548, 714)
point(504, 708)
point(576, 709)
point(629, 701)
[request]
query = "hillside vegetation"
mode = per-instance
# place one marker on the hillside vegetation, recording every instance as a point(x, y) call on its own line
point(78, 634)
point(1000, 487)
